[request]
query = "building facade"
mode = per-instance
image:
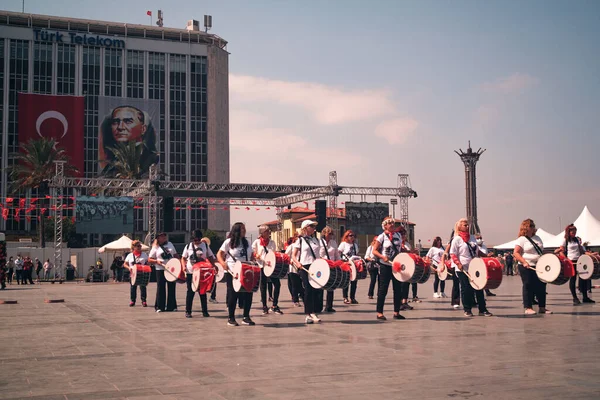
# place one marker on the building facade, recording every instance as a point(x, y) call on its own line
point(186, 70)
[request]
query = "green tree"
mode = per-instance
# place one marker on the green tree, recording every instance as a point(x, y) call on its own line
point(69, 235)
point(34, 166)
point(127, 161)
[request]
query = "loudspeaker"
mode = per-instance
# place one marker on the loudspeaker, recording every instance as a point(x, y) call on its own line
point(321, 213)
point(168, 215)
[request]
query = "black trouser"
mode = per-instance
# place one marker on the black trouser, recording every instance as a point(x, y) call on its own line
point(328, 301)
point(414, 289)
point(233, 296)
point(189, 297)
point(310, 293)
point(353, 286)
point(10, 275)
point(583, 286)
point(405, 288)
point(20, 276)
point(263, 289)
point(28, 276)
point(171, 296)
point(133, 293)
point(467, 294)
point(532, 286)
point(438, 283)
point(120, 274)
point(385, 276)
point(509, 269)
point(213, 293)
point(161, 290)
point(374, 272)
point(270, 287)
point(295, 286)
point(38, 274)
point(455, 290)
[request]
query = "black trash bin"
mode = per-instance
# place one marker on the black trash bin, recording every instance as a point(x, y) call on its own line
point(70, 274)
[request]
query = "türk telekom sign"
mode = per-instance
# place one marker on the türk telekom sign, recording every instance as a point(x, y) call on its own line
point(43, 35)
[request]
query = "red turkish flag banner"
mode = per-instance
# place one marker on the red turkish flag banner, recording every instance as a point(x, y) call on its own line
point(58, 117)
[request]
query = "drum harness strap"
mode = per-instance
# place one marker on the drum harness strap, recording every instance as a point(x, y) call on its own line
point(195, 250)
point(310, 247)
point(244, 253)
point(166, 255)
point(393, 247)
point(578, 240)
point(326, 251)
point(537, 248)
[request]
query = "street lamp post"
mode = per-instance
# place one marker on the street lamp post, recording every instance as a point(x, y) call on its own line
point(393, 202)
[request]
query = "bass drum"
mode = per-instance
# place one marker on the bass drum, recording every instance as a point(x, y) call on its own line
point(553, 269)
point(588, 267)
point(174, 272)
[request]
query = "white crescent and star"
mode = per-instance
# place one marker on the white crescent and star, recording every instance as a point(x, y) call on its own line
point(52, 114)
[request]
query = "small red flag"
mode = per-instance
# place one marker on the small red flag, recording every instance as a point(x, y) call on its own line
point(149, 13)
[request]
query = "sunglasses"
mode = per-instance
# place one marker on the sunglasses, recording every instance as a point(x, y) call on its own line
point(350, 235)
point(138, 247)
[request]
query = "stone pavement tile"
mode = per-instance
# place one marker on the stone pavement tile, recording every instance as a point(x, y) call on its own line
point(116, 394)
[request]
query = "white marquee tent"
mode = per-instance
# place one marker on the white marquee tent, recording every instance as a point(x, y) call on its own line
point(588, 229)
point(545, 236)
point(122, 244)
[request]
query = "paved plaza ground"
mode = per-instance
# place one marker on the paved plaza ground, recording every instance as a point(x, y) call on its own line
point(93, 346)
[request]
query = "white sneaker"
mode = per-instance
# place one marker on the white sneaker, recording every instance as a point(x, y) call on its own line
point(443, 295)
point(530, 311)
point(436, 295)
point(315, 318)
point(308, 320)
point(456, 306)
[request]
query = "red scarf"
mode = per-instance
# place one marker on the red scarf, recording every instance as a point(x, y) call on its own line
point(137, 253)
point(465, 236)
point(264, 242)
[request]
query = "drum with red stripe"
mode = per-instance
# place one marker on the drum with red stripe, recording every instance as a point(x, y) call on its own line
point(360, 266)
point(276, 265)
point(553, 269)
point(246, 276)
point(140, 275)
point(203, 277)
point(446, 272)
point(408, 267)
point(426, 272)
point(485, 272)
point(345, 275)
point(174, 271)
point(588, 267)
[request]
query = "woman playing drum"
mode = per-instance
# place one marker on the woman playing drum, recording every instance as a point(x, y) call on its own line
point(385, 247)
point(233, 249)
point(194, 252)
point(136, 257)
point(349, 248)
point(528, 250)
point(462, 250)
point(572, 248)
point(435, 255)
point(328, 251)
point(305, 251)
point(260, 247)
point(161, 252)
point(372, 267)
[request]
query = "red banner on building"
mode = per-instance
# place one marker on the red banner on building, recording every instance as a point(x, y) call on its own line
point(58, 117)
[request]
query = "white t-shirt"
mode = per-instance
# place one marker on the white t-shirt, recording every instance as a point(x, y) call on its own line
point(19, 264)
point(572, 248)
point(131, 260)
point(530, 254)
point(435, 253)
point(369, 253)
point(203, 252)
point(330, 249)
point(459, 248)
point(483, 248)
point(237, 252)
point(348, 249)
point(386, 247)
point(306, 256)
point(259, 250)
point(158, 254)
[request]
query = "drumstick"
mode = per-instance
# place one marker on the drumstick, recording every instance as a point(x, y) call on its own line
point(469, 276)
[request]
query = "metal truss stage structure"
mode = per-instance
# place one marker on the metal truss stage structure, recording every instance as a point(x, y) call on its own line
point(152, 190)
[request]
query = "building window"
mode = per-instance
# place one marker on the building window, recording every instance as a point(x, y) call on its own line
point(113, 70)
point(178, 147)
point(65, 69)
point(42, 68)
point(156, 90)
point(135, 74)
point(91, 91)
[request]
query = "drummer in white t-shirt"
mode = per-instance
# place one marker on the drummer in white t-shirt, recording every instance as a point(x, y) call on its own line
point(329, 251)
point(236, 247)
point(161, 252)
point(304, 252)
point(528, 249)
point(435, 254)
point(137, 256)
point(260, 247)
point(349, 248)
point(194, 252)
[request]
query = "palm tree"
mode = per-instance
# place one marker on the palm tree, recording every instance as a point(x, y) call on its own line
point(34, 167)
point(126, 163)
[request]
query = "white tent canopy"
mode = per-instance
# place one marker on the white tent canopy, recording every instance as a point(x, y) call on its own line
point(545, 236)
point(588, 229)
point(122, 244)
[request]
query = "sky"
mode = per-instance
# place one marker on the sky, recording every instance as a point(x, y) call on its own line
point(375, 89)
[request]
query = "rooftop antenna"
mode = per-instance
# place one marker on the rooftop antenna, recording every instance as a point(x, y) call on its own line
point(207, 23)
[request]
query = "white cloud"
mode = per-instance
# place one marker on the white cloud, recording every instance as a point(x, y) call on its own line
point(396, 131)
point(514, 83)
point(326, 104)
